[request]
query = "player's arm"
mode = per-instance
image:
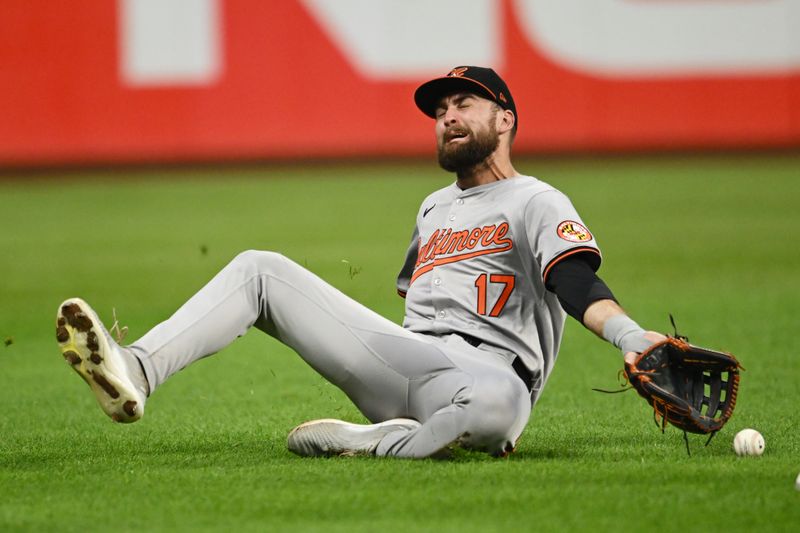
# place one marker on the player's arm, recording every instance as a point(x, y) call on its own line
point(404, 277)
point(607, 320)
point(586, 298)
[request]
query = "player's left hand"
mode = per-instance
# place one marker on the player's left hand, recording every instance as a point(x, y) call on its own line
point(692, 388)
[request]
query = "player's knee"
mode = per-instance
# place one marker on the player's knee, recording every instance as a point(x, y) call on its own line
point(499, 410)
point(258, 262)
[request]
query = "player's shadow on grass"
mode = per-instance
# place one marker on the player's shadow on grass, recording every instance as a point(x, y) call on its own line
point(616, 446)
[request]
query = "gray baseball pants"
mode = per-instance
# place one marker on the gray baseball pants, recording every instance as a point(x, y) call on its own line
point(461, 394)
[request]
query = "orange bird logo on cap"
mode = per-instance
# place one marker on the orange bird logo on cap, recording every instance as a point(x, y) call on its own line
point(457, 72)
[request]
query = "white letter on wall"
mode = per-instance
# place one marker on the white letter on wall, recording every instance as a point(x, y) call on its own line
point(631, 38)
point(401, 39)
point(169, 42)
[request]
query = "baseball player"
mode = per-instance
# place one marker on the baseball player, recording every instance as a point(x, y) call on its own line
point(496, 261)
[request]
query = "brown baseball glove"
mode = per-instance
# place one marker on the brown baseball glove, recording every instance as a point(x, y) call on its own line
point(692, 388)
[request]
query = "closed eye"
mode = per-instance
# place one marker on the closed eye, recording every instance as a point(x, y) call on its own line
point(460, 101)
point(464, 100)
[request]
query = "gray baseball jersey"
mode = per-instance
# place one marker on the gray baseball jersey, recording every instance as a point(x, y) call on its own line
point(477, 263)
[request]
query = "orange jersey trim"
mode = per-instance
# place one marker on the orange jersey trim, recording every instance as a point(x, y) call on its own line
point(568, 253)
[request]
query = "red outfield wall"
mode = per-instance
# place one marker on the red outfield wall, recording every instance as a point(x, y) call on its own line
point(97, 81)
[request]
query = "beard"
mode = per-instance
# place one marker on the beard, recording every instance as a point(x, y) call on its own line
point(464, 156)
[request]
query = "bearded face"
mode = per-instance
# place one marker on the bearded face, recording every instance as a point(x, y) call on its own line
point(461, 148)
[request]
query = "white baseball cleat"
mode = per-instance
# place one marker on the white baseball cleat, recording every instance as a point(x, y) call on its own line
point(336, 437)
point(113, 374)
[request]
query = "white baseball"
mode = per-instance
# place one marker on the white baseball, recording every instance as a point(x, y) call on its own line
point(797, 482)
point(748, 442)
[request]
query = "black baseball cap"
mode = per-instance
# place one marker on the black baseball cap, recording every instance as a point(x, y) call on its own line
point(478, 80)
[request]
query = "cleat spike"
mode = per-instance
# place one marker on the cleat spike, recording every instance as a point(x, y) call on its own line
point(72, 357)
point(129, 407)
point(108, 387)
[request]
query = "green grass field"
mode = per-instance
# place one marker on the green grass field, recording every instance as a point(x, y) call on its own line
point(711, 239)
